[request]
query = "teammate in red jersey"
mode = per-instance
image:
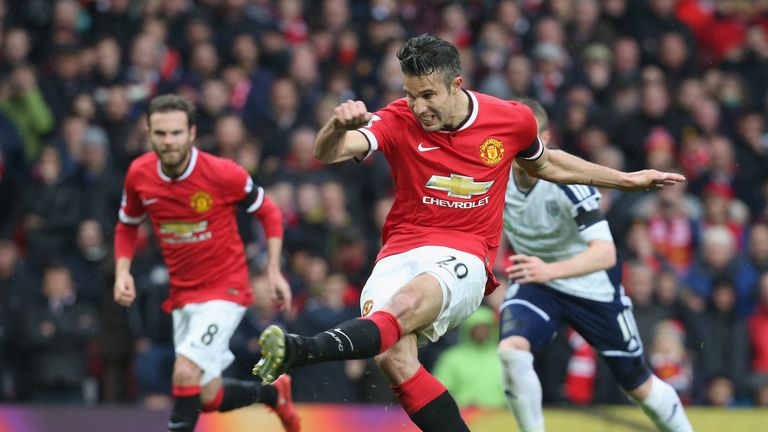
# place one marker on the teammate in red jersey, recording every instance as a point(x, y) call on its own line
point(450, 152)
point(190, 198)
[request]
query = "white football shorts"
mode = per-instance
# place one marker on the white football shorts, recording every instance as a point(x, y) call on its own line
point(461, 275)
point(201, 333)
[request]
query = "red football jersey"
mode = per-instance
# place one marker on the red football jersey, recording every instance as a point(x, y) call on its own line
point(194, 220)
point(450, 185)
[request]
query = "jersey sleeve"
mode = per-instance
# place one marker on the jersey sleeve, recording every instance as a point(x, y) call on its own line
point(238, 187)
point(379, 129)
point(131, 209)
point(531, 147)
point(583, 204)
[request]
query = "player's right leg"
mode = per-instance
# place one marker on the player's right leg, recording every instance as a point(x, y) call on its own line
point(186, 393)
point(201, 333)
point(186, 377)
point(529, 319)
point(425, 400)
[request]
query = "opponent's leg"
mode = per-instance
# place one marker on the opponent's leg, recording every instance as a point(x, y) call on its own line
point(610, 328)
point(530, 316)
point(662, 404)
point(422, 396)
point(522, 387)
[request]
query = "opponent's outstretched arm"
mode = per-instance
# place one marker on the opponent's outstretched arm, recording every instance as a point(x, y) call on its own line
point(561, 167)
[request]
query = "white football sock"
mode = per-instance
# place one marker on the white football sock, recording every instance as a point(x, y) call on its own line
point(663, 406)
point(522, 388)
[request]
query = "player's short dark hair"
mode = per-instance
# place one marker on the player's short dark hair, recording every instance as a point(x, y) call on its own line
point(538, 111)
point(172, 102)
point(426, 54)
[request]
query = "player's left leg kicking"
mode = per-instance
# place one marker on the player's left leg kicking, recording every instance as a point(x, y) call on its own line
point(417, 294)
point(201, 337)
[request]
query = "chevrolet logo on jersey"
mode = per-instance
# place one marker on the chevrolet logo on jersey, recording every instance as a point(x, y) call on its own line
point(459, 186)
point(183, 229)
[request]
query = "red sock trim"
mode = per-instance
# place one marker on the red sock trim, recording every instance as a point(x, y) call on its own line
point(213, 405)
point(182, 391)
point(418, 390)
point(389, 328)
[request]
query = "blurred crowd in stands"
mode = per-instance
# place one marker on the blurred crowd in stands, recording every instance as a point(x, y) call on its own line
point(668, 84)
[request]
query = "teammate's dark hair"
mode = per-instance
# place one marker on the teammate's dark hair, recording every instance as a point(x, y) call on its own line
point(538, 111)
point(171, 102)
point(426, 54)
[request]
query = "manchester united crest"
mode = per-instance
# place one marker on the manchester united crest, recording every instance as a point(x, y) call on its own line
point(367, 307)
point(492, 151)
point(201, 201)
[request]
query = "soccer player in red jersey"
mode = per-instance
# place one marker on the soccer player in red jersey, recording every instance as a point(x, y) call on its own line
point(190, 198)
point(450, 151)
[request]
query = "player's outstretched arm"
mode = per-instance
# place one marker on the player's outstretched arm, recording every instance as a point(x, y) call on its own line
point(336, 142)
point(561, 167)
point(600, 255)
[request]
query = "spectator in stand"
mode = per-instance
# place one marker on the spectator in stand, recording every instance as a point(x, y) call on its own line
point(16, 49)
point(752, 155)
point(751, 268)
point(229, 134)
point(109, 68)
point(56, 332)
point(721, 391)
point(299, 164)
point(49, 211)
point(479, 385)
point(284, 115)
point(723, 340)
point(758, 338)
point(717, 261)
point(720, 209)
point(670, 216)
point(13, 167)
point(669, 358)
point(22, 102)
point(723, 169)
point(654, 114)
point(99, 184)
point(639, 282)
point(65, 79)
point(214, 102)
point(88, 264)
point(15, 296)
point(117, 122)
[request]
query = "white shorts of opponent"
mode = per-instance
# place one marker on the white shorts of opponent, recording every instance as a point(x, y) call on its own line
point(201, 333)
point(461, 275)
